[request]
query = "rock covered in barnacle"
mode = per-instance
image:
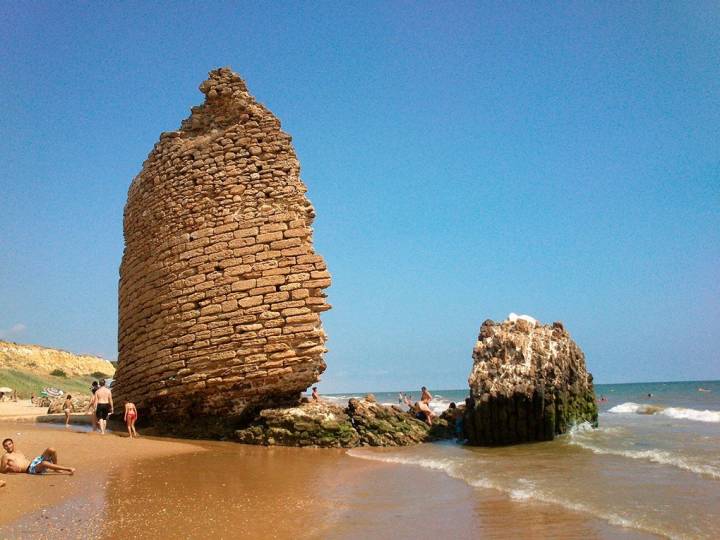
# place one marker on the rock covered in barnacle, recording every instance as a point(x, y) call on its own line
point(528, 383)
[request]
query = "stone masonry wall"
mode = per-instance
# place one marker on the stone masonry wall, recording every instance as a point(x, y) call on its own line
point(220, 288)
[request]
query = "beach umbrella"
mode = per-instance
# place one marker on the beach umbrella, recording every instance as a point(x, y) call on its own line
point(52, 392)
point(6, 390)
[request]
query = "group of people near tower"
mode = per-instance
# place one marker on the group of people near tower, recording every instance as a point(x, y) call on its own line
point(102, 407)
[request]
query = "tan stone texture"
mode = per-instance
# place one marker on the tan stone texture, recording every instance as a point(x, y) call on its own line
point(219, 274)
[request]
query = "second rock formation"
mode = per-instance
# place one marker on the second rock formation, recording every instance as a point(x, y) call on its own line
point(529, 383)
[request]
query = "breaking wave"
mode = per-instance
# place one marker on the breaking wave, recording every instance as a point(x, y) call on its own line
point(661, 457)
point(692, 414)
point(671, 412)
point(637, 408)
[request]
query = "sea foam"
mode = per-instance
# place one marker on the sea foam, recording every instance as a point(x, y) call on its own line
point(637, 408)
point(661, 457)
point(671, 412)
point(692, 414)
point(522, 490)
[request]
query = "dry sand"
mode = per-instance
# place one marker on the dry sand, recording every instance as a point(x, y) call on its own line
point(163, 488)
point(22, 409)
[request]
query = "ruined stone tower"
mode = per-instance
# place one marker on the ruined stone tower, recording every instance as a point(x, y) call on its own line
point(220, 288)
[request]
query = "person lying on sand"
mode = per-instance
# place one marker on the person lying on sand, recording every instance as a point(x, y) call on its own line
point(16, 462)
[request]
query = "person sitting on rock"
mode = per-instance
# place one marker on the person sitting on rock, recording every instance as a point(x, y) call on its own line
point(424, 412)
point(422, 407)
point(16, 462)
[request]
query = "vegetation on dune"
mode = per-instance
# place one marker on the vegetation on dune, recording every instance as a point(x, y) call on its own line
point(26, 383)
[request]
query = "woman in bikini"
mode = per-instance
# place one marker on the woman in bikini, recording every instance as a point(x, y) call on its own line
point(131, 415)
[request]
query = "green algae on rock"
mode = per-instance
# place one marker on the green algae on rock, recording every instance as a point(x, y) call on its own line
point(529, 383)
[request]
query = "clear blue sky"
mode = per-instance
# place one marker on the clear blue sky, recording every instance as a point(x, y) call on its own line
point(465, 160)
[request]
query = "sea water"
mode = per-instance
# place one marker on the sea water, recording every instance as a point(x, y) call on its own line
point(653, 464)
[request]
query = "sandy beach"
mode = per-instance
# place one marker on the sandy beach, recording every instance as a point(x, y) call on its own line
point(150, 488)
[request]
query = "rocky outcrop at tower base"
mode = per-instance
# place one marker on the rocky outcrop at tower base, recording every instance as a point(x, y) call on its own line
point(220, 288)
point(364, 422)
point(529, 383)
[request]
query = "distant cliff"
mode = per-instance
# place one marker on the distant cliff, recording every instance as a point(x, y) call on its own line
point(44, 360)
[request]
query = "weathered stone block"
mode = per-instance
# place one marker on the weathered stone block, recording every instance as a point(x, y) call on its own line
point(529, 383)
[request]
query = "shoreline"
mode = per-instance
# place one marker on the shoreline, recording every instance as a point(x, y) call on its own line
point(152, 486)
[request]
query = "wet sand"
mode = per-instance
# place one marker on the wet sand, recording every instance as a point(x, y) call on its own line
point(93, 455)
point(163, 488)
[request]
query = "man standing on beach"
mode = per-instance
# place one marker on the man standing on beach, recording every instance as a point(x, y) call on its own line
point(16, 462)
point(103, 405)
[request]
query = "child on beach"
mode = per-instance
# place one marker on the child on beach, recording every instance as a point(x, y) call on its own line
point(131, 415)
point(315, 396)
point(67, 409)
